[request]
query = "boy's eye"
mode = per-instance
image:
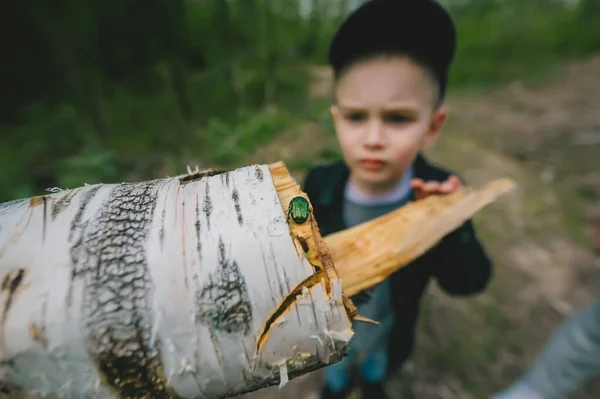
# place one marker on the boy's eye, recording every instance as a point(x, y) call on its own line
point(356, 116)
point(397, 118)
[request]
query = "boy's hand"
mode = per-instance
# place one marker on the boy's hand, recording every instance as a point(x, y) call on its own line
point(423, 189)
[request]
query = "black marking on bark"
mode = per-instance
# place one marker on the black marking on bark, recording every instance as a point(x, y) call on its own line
point(281, 289)
point(224, 302)
point(176, 207)
point(86, 198)
point(201, 175)
point(267, 274)
point(259, 173)
point(161, 232)
point(10, 283)
point(298, 313)
point(69, 300)
point(287, 284)
point(197, 226)
point(63, 202)
point(314, 312)
point(207, 205)
point(45, 216)
point(6, 207)
point(117, 315)
point(235, 196)
point(286, 279)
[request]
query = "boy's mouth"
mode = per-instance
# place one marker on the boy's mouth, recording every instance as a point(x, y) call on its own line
point(372, 164)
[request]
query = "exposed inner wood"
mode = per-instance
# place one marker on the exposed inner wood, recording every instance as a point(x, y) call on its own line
point(306, 236)
point(370, 252)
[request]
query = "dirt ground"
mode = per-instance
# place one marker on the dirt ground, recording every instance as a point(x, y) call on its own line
point(545, 136)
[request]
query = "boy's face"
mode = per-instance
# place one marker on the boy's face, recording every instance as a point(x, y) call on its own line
point(385, 114)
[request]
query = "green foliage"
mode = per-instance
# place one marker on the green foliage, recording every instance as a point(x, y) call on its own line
point(93, 164)
point(510, 39)
point(225, 144)
point(97, 89)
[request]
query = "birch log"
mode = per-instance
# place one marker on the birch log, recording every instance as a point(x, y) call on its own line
point(192, 286)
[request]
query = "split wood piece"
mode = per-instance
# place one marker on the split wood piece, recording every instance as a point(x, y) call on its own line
point(317, 252)
point(368, 253)
point(191, 286)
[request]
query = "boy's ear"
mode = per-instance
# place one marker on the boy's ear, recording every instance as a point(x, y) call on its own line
point(335, 111)
point(435, 126)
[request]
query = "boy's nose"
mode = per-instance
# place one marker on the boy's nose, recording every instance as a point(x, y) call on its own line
point(375, 135)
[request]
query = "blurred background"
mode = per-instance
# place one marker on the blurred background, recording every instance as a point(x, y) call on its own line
point(111, 91)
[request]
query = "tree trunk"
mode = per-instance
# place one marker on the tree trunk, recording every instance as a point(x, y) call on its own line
point(193, 286)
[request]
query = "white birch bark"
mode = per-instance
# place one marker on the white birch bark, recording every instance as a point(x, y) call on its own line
point(159, 289)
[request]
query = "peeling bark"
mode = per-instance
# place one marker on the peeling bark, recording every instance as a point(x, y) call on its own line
point(194, 286)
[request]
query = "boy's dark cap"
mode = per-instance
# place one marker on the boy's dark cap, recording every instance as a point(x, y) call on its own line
point(421, 28)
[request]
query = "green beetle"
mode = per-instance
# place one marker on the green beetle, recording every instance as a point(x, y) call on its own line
point(299, 210)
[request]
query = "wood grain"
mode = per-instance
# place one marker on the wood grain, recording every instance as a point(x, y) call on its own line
point(370, 252)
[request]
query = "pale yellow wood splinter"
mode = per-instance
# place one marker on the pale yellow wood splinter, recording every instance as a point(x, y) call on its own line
point(368, 253)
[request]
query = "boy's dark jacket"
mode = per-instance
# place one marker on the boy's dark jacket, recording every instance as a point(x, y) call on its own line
point(458, 263)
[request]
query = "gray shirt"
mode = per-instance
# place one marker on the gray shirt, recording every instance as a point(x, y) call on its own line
point(369, 338)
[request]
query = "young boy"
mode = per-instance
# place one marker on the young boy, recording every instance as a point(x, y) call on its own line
point(391, 59)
